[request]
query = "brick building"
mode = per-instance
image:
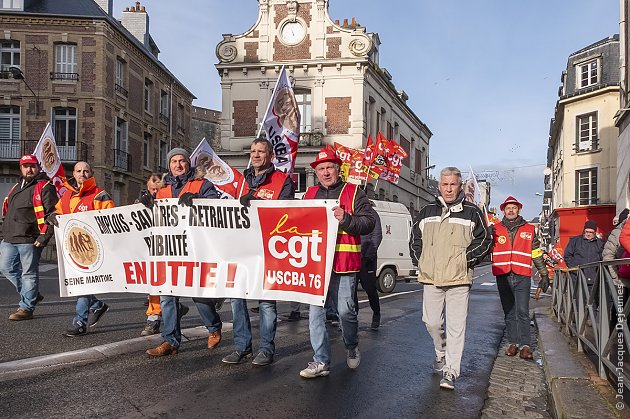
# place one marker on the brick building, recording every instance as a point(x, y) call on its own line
point(98, 81)
point(342, 91)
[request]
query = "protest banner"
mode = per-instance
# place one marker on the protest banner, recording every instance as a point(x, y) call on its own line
point(225, 178)
point(46, 153)
point(273, 250)
point(282, 124)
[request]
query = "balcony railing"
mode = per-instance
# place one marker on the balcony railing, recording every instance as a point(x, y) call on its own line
point(312, 139)
point(121, 90)
point(164, 119)
point(67, 153)
point(122, 160)
point(64, 76)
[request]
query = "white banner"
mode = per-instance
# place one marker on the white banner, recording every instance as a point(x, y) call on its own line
point(282, 124)
point(274, 250)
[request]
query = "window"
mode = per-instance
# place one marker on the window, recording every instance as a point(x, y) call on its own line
point(390, 131)
point(146, 149)
point(120, 77)
point(303, 99)
point(587, 132)
point(406, 145)
point(11, 4)
point(378, 123)
point(9, 128)
point(164, 106)
point(180, 118)
point(163, 166)
point(9, 56)
point(65, 62)
point(121, 158)
point(587, 73)
point(418, 162)
point(65, 126)
point(148, 86)
point(586, 186)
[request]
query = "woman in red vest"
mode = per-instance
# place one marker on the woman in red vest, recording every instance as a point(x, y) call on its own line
point(515, 247)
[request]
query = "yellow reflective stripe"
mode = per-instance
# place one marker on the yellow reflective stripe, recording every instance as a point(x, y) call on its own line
point(536, 253)
point(348, 248)
point(39, 208)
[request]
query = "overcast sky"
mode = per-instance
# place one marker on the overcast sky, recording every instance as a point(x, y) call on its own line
point(483, 75)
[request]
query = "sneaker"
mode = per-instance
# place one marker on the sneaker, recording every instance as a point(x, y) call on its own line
point(151, 328)
point(21, 315)
point(183, 310)
point(315, 369)
point(237, 357)
point(376, 321)
point(164, 349)
point(448, 381)
point(263, 358)
point(98, 313)
point(294, 316)
point(78, 329)
point(214, 338)
point(438, 364)
point(354, 358)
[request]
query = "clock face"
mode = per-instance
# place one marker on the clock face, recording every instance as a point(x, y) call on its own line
point(292, 33)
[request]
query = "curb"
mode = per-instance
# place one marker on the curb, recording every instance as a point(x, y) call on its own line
point(572, 392)
point(37, 365)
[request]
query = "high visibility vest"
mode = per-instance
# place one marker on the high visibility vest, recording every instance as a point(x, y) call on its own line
point(86, 200)
point(515, 257)
point(348, 248)
point(192, 186)
point(272, 188)
point(38, 205)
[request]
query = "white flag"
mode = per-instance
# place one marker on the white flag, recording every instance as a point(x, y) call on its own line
point(282, 124)
point(46, 153)
point(227, 179)
point(471, 189)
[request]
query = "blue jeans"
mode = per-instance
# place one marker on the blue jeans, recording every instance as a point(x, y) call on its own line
point(242, 328)
point(341, 294)
point(85, 303)
point(514, 292)
point(171, 327)
point(20, 264)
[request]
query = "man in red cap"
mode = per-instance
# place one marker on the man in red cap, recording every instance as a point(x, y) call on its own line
point(356, 217)
point(515, 247)
point(25, 233)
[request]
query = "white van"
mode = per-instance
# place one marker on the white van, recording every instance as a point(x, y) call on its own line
point(393, 254)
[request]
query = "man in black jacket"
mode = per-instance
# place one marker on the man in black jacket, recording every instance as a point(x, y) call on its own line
point(25, 234)
point(583, 249)
point(369, 248)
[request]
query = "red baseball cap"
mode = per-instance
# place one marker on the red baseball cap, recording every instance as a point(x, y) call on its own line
point(326, 154)
point(28, 159)
point(511, 200)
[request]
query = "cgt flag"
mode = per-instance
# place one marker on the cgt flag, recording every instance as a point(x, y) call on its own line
point(46, 153)
point(282, 124)
point(227, 179)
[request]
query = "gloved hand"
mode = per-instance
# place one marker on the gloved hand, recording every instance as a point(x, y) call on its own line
point(544, 283)
point(51, 219)
point(186, 198)
point(246, 200)
point(147, 199)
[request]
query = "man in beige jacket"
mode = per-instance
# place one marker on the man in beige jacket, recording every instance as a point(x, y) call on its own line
point(449, 237)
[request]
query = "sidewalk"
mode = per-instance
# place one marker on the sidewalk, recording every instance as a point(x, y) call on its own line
point(560, 382)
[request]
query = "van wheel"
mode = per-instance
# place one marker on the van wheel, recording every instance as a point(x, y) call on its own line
point(387, 280)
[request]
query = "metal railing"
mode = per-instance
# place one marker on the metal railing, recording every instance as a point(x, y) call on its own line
point(122, 160)
point(64, 76)
point(67, 153)
point(164, 118)
point(596, 317)
point(121, 90)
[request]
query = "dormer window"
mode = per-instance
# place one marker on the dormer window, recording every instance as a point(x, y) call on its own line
point(588, 73)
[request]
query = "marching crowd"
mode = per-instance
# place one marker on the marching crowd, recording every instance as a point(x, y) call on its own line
point(449, 237)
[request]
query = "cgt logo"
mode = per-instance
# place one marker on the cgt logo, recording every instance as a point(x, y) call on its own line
point(294, 246)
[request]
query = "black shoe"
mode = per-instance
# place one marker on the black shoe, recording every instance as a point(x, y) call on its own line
point(254, 309)
point(76, 331)
point(97, 314)
point(39, 298)
point(263, 358)
point(183, 310)
point(218, 303)
point(236, 357)
point(295, 315)
point(376, 321)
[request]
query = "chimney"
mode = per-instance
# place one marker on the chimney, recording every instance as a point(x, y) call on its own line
point(354, 21)
point(345, 23)
point(337, 22)
point(136, 21)
point(106, 5)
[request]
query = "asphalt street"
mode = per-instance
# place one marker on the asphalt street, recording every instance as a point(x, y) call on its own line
point(393, 380)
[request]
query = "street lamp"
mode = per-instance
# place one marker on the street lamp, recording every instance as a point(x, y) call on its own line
point(538, 194)
point(17, 74)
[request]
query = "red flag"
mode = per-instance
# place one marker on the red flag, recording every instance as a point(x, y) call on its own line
point(344, 153)
point(356, 171)
point(394, 162)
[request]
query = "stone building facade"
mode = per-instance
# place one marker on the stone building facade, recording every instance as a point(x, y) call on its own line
point(205, 123)
point(342, 91)
point(98, 82)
